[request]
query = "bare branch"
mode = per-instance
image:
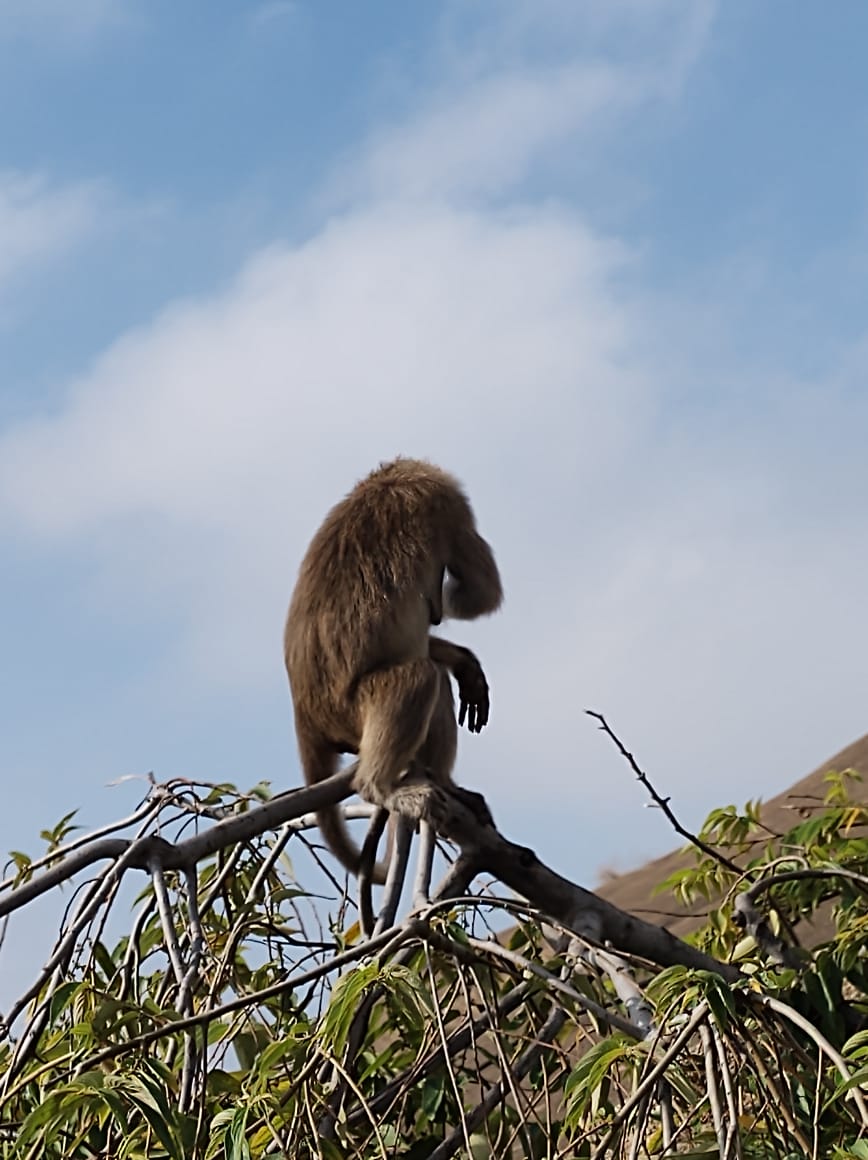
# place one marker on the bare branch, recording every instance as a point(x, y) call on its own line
point(662, 802)
point(576, 908)
point(139, 853)
point(424, 866)
point(498, 1092)
point(396, 876)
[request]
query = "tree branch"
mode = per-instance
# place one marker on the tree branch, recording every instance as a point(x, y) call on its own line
point(141, 853)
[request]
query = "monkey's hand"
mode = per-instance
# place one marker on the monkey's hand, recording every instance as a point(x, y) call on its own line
point(473, 698)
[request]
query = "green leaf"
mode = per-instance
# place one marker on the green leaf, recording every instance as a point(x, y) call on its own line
point(433, 1093)
point(61, 998)
point(118, 1109)
point(584, 1081)
point(858, 1150)
point(858, 1079)
point(273, 1054)
point(104, 960)
point(719, 998)
point(45, 1111)
point(236, 1137)
point(55, 836)
point(150, 1098)
point(345, 1001)
point(286, 894)
point(856, 1046)
point(22, 861)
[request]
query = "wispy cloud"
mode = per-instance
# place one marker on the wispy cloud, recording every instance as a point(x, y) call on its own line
point(41, 222)
point(227, 426)
point(651, 563)
point(654, 563)
point(487, 140)
point(272, 10)
point(60, 25)
point(522, 84)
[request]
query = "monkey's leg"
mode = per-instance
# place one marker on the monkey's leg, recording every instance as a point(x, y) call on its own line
point(433, 763)
point(436, 757)
point(396, 705)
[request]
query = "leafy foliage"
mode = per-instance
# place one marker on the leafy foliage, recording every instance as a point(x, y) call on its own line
point(241, 1014)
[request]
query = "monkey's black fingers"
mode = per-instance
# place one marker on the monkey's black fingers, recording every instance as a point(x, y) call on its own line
point(468, 712)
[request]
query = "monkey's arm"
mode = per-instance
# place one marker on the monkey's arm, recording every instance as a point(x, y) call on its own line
point(473, 588)
point(472, 686)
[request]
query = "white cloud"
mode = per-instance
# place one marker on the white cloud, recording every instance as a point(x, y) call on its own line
point(59, 24)
point(267, 13)
point(228, 426)
point(488, 139)
point(505, 101)
point(41, 222)
point(661, 571)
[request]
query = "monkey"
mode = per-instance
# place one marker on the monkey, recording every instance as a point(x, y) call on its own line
point(396, 556)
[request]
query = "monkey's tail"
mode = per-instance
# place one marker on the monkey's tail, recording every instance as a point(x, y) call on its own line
point(338, 840)
point(318, 765)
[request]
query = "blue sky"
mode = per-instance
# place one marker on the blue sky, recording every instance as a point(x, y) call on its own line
point(607, 262)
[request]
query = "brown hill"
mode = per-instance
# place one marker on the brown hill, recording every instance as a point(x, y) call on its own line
point(634, 891)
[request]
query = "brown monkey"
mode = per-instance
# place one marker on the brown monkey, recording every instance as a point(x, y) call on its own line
point(365, 675)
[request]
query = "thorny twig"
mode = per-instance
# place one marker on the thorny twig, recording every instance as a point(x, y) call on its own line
point(498, 1092)
point(662, 803)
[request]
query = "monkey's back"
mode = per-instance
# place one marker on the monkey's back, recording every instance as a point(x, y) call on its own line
point(362, 594)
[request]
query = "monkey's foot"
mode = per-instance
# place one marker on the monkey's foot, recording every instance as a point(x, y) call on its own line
point(445, 808)
point(419, 799)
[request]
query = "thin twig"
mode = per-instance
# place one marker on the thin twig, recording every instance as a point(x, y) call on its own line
point(456, 1043)
point(662, 802)
point(488, 947)
point(647, 1084)
point(711, 1087)
point(425, 864)
point(447, 1058)
point(778, 1105)
point(498, 1091)
point(197, 945)
point(765, 884)
point(139, 852)
point(821, 1041)
point(167, 921)
point(389, 937)
point(733, 1134)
